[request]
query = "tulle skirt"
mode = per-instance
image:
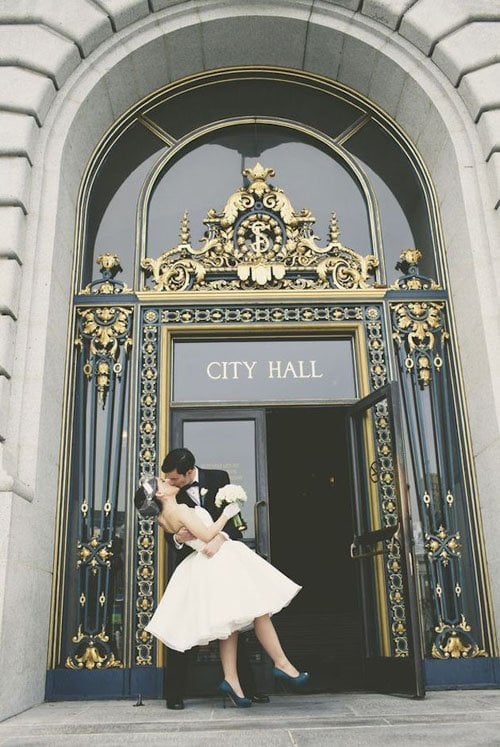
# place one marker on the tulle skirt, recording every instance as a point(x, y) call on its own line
point(209, 598)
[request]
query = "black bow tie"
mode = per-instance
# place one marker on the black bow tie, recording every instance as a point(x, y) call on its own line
point(194, 484)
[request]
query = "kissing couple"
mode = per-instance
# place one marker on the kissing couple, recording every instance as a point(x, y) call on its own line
point(214, 594)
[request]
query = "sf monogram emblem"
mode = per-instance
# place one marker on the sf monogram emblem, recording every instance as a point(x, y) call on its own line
point(261, 242)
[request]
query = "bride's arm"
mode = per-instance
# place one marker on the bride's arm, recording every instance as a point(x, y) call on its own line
point(195, 525)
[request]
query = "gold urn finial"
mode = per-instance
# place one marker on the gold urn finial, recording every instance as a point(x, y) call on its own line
point(334, 229)
point(257, 176)
point(184, 233)
point(108, 261)
point(259, 172)
point(411, 256)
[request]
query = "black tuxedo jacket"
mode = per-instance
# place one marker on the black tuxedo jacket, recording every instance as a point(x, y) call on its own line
point(210, 480)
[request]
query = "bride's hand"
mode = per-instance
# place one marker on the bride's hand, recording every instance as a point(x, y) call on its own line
point(231, 510)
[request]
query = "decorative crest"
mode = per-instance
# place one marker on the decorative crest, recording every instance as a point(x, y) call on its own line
point(259, 241)
point(103, 332)
point(92, 651)
point(412, 279)
point(420, 333)
point(110, 265)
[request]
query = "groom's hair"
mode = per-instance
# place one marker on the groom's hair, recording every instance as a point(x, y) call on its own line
point(180, 460)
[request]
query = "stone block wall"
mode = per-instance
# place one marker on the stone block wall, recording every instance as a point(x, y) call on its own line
point(69, 69)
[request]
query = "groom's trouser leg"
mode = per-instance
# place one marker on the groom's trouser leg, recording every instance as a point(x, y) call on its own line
point(176, 674)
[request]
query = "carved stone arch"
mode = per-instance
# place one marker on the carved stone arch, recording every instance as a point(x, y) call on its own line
point(125, 67)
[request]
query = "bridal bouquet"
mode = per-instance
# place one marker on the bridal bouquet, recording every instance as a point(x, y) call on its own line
point(232, 494)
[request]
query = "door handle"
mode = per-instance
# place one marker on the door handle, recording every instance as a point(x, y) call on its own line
point(259, 505)
point(410, 563)
point(393, 534)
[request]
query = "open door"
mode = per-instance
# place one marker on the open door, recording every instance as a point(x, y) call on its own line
point(382, 546)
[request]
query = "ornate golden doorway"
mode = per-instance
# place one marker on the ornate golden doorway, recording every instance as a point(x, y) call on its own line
point(261, 267)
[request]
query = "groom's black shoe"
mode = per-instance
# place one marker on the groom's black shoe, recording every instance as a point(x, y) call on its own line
point(175, 705)
point(260, 698)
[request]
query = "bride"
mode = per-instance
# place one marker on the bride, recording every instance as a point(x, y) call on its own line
point(209, 598)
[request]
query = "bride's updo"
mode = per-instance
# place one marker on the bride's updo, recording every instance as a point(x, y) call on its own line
point(145, 500)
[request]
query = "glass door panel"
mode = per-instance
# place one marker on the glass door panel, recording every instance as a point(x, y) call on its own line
point(234, 441)
point(228, 445)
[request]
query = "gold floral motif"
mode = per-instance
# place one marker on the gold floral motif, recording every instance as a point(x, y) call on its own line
point(96, 654)
point(104, 330)
point(417, 326)
point(104, 326)
point(110, 264)
point(457, 643)
point(108, 261)
point(94, 554)
point(454, 648)
point(412, 279)
point(146, 543)
point(258, 240)
point(411, 256)
point(443, 546)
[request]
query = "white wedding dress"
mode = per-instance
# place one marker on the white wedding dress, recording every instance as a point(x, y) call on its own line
point(209, 598)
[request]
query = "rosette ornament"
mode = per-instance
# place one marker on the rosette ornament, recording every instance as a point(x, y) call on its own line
point(232, 494)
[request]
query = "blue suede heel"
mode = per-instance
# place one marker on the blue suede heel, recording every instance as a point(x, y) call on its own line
point(228, 692)
point(295, 682)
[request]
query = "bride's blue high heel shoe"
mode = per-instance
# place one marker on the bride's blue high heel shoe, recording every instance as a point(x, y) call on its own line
point(286, 679)
point(228, 692)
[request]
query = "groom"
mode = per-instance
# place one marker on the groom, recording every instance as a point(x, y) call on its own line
point(198, 487)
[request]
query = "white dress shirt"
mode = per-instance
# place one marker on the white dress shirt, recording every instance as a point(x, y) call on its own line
point(193, 491)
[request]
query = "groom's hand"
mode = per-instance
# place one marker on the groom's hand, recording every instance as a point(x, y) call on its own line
point(183, 535)
point(213, 546)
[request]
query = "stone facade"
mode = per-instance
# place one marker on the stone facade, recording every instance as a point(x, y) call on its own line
point(69, 70)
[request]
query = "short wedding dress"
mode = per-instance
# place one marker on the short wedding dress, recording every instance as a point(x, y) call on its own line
point(209, 598)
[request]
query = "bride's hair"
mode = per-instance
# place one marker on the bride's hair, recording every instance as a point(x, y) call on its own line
point(180, 460)
point(147, 505)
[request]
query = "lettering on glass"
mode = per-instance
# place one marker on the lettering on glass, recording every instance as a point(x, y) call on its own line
point(230, 369)
point(264, 371)
point(224, 370)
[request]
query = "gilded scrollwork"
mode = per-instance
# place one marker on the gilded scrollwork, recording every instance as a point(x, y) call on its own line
point(389, 512)
point(419, 330)
point(420, 335)
point(102, 332)
point(376, 347)
point(94, 554)
point(92, 652)
point(259, 241)
point(455, 642)
point(110, 265)
point(412, 279)
point(250, 314)
point(146, 543)
point(442, 546)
